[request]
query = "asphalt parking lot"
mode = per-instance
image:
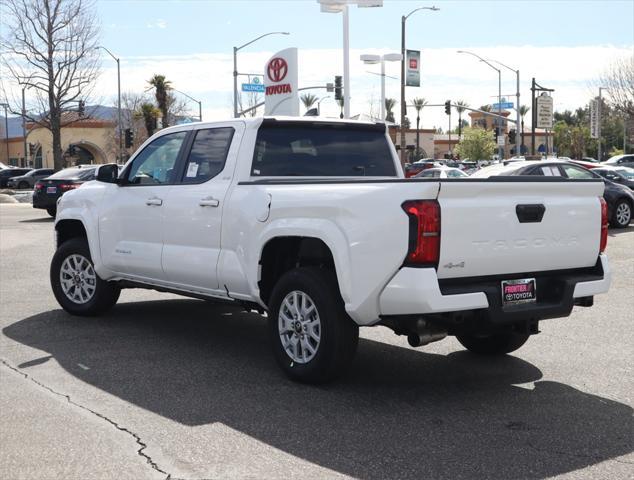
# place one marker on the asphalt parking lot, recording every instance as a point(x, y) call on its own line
point(165, 387)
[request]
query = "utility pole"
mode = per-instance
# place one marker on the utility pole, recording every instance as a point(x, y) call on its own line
point(6, 127)
point(26, 153)
point(599, 123)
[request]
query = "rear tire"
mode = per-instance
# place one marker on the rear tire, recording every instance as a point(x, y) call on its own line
point(52, 211)
point(622, 214)
point(76, 285)
point(494, 344)
point(313, 338)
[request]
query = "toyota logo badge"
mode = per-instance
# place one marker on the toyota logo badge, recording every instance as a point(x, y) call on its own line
point(277, 69)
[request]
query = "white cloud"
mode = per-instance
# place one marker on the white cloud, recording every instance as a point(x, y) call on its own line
point(445, 75)
point(158, 23)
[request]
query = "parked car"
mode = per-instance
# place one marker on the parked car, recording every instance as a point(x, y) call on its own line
point(417, 167)
point(589, 160)
point(584, 164)
point(621, 175)
point(7, 173)
point(442, 172)
point(28, 180)
point(621, 161)
point(619, 199)
point(312, 221)
point(49, 189)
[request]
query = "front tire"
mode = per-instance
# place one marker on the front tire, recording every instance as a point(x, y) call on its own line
point(494, 344)
point(76, 285)
point(313, 338)
point(622, 214)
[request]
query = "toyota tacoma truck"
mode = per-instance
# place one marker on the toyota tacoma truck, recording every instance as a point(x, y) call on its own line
point(312, 223)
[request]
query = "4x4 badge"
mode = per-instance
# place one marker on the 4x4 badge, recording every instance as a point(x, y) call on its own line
point(454, 265)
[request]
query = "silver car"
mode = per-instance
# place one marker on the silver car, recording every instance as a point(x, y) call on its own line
point(28, 180)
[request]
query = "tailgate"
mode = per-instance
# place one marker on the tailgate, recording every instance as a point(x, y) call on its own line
point(482, 234)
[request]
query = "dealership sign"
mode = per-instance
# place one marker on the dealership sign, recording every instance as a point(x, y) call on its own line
point(544, 112)
point(412, 62)
point(280, 84)
point(594, 118)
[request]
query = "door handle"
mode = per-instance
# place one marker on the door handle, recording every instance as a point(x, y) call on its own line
point(154, 201)
point(209, 202)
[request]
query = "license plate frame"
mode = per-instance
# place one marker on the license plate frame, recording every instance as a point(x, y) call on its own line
point(518, 291)
point(51, 190)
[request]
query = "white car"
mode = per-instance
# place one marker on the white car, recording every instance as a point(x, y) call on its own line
point(313, 222)
point(442, 172)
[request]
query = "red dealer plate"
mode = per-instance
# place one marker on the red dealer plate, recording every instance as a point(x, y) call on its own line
point(51, 189)
point(519, 291)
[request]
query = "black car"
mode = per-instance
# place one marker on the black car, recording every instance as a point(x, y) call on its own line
point(620, 199)
point(621, 175)
point(49, 189)
point(7, 173)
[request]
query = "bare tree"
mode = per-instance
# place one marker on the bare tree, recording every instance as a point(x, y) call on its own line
point(248, 101)
point(49, 47)
point(618, 82)
point(130, 118)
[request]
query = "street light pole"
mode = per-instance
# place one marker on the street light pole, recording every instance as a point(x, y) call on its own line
point(500, 148)
point(403, 104)
point(116, 59)
point(235, 67)
point(517, 106)
point(26, 153)
point(200, 108)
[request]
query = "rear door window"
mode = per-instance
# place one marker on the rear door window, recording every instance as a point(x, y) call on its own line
point(289, 149)
point(208, 154)
point(576, 172)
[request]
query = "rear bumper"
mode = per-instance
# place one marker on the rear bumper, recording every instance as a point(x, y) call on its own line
point(415, 291)
point(43, 200)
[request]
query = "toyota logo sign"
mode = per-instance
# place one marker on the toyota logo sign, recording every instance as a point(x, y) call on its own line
point(277, 69)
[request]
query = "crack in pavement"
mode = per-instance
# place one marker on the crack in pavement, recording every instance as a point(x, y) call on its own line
point(577, 455)
point(137, 439)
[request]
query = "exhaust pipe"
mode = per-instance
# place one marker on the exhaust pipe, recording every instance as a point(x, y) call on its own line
point(425, 334)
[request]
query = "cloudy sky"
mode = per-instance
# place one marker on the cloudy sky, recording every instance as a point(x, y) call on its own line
point(564, 45)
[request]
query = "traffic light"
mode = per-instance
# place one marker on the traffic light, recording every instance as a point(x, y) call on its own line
point(512, 135)
point(129, 138)
point(82, 108)
point(72, 151)
point(31, 149)
point(338, 87)
point(448, 107)
point(496, 132)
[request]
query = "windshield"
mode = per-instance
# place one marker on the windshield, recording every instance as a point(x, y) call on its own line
point(625, 172)
point(74, 174)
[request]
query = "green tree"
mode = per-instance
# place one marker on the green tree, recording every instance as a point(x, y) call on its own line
point(162, 86)
point(476, 144)
point(308, 99)
point(389, 107)
point(460, 108)
point(418, 103)
point(149, 113)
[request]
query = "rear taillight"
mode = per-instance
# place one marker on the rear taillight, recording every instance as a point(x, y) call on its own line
point(68, 186)
point(424, 232)
point(604, 225)
point(39, 186)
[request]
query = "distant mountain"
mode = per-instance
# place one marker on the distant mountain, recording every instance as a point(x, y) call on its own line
point(100, 112)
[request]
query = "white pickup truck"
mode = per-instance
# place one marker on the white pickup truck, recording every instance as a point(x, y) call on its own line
point(312, 222)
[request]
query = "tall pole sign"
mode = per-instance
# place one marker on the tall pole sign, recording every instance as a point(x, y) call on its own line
point(280, 84)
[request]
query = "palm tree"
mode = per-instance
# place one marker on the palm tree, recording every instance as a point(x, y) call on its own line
point(523, 111)
point(308, 99)
point(485, 108)
point(149, 113)
point(162, 87)
point(418, 103)
point(460, 107)
point(389, 105)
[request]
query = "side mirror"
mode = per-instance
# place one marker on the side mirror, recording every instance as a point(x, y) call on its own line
point(108, 173)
